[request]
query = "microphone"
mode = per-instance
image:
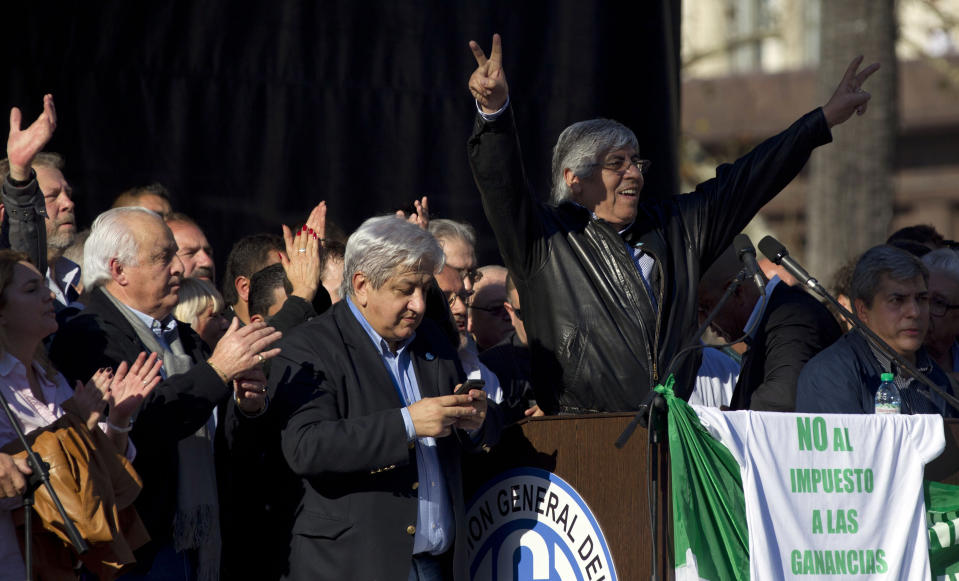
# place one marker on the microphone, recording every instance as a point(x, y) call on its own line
point(777, 253)
point(747, 255)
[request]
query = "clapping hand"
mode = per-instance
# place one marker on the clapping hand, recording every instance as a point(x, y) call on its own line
point(90, 398)
point(243, 348)
point(303, 254)
point(130, 385)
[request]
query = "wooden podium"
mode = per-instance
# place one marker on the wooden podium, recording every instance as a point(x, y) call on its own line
point(612, 481)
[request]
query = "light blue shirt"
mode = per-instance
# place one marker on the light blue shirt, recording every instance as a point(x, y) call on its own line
point(434, 517)
point(162, 330)
point(760, 306)
point(644, 262)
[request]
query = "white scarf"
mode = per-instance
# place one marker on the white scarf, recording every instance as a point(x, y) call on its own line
point(197, 521)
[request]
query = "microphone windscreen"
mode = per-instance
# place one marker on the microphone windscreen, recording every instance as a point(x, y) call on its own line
point(772, 249)
point(742, 244)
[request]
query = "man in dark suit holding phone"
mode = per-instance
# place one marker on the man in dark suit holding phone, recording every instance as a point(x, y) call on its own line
point(375, 429)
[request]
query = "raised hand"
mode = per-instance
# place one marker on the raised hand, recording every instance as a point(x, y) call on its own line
point(316, 222)
point(243, 348)
point(130, 385)
point(23, 146)
point(849, 96)
point(488, 81)
point(421, 217)
point(302, 260)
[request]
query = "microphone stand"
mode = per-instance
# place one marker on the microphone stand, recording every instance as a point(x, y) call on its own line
point(878, 343)
point(41, 475)
point(652, 412)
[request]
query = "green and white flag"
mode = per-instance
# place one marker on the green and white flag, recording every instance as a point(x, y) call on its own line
point(942, 517)
point(781, 495)
point(709, 511)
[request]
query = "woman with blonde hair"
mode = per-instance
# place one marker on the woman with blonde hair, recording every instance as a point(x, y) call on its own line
point(201, 306)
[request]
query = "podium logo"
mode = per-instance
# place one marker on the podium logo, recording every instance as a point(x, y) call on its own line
point(529, 524)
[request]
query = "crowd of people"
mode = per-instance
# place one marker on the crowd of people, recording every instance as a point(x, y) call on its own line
point(309, 417)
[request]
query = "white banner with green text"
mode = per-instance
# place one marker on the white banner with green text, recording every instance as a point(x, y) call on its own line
point(823, 495)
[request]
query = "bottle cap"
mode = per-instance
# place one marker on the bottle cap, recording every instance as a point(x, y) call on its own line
point(887, 377)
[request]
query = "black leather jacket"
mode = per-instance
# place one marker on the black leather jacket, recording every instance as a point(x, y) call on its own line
point(597, 344)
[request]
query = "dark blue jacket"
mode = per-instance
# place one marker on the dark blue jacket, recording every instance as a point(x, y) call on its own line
point(843, 379)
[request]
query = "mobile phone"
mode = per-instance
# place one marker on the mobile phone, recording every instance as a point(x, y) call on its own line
point(470, 384)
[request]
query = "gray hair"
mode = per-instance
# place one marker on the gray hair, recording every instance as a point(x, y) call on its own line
point(944, 259)
point(580, 147)
point(196, 296)
point(42, 159)
point(384, 246)
point(879, 261)
point(443, 229)
point(111, 236)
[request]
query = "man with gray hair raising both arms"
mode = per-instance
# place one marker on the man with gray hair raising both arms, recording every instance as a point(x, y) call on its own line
point(607, 273)
point(374, 428)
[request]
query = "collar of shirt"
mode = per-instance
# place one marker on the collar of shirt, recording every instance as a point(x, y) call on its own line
point(63, 277)
point(760, 307)
point(923, 364)
point(375, 337)
point(912, 392)
point(164, 330)
point(435, 519)
point(9, 363)
point(14, 376)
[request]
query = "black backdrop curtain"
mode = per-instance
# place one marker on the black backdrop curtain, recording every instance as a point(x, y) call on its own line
point(252, 112)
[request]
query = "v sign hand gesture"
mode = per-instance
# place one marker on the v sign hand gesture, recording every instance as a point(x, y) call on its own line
point(849, 97)
point(488, 81)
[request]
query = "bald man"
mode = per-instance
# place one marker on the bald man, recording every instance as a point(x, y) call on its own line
point(792, 327)
point(489, 322)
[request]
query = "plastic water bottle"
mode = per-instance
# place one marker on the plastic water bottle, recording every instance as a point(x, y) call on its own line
point(887, 396)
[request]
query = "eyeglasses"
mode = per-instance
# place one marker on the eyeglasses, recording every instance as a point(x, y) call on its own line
point(621, 165)
point(464, 296)
point(938, 307)
point(470, 273)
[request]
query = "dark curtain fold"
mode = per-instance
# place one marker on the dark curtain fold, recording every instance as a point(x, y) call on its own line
point(253, 112)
